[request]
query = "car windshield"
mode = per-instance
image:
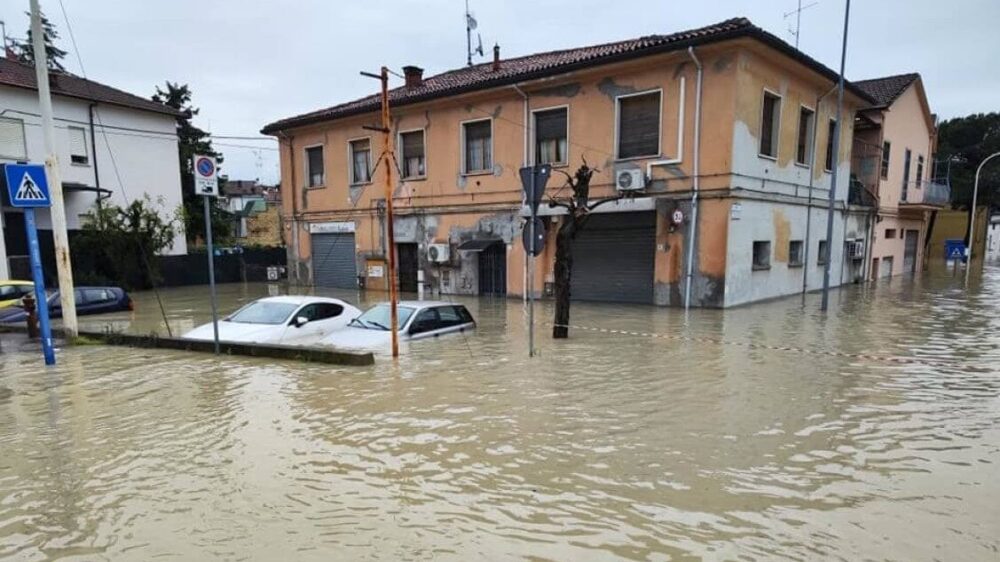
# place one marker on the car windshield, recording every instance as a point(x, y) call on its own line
point(263, 312)
point(377, 317)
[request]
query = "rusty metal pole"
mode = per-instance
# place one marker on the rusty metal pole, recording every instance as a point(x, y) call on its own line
point(389, 161)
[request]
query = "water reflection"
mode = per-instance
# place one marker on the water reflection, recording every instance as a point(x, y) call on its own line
point(605, 446)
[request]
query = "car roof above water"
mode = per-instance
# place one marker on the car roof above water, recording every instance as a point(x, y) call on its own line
point(297, 299)
point(425, 304)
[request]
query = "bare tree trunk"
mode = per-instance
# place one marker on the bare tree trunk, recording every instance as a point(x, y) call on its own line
point(563, 276)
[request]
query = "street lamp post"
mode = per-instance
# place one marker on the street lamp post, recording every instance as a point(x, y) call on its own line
point(972, 217)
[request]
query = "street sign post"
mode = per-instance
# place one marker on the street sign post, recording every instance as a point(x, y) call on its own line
point(206, 184)
point(533, 182)
point(29, 189)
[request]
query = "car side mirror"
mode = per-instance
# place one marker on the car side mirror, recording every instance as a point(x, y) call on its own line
point(301, 321)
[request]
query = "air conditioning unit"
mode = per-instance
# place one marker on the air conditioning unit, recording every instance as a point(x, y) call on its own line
point(438, 253)
point(630, 180)
point(856, 249)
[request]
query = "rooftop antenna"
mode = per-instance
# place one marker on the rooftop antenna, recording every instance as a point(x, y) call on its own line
point(798, 19)
point(470, 25)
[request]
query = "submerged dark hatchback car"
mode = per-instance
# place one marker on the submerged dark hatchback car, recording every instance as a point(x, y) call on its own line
point(89, 300)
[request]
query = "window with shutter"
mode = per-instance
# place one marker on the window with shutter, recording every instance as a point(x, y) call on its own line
point(78, 145)
point(830, 134)
point(550, 136)
point(361, 161)
point(314, 166)
point(12, 139)
point(803, 153)
point(639, 125)
point(412, 146)
point(478, 140)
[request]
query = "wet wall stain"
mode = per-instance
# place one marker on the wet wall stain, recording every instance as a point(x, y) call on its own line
point(563, 91)
point(782, 234)
point(305, 198)
point(722, 63)
point(612, 89)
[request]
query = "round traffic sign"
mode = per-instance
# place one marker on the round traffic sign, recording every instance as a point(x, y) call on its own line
point(205, 167)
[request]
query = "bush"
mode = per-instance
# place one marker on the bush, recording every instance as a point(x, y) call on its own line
point(119, 246)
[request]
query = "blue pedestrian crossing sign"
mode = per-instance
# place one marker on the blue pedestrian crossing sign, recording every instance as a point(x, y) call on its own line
point(27, 186)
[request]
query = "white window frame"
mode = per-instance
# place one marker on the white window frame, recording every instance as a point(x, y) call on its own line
point(810, 137)
point(461, 132)
point(351, 180)
point(24, 142)
point(86, 149)
point(534, 142)
point(402, 155)
point(659, 134)
point(305, 165)
point(776, 134)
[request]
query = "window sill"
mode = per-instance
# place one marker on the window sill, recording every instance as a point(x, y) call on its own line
point(760, 267)
point(315, 187)
point(414, 178)
point(827, 171)
point(80, 164)
point(554, 164)
point(478, 173)
point(820, 263)
point(633, 158)
point(801, 165)
point(794, 266)
point(767, 157)
point(359, 183)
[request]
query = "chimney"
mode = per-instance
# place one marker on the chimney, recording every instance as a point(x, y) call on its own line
point(496, 57)
point(414, 76)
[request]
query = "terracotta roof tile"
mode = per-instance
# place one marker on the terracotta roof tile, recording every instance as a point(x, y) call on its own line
point(20, 75)
point(540, 65)
point(885, 90)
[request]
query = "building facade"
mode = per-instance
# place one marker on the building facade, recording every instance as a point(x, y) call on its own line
point(712, 147)
point(111, 146)
point(894, 146)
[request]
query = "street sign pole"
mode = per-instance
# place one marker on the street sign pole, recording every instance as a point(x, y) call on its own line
point(206, 184)
point(39, 279)
point(28, 189)
point(531, 274)
point(211, 272)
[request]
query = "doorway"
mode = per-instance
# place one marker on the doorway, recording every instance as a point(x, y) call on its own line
point(409, 263)
point(493, 270)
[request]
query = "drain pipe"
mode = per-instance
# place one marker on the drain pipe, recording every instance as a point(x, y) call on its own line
point(696, 184)
point(524, 162)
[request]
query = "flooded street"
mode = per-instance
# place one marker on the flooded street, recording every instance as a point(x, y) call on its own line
point(605, 446)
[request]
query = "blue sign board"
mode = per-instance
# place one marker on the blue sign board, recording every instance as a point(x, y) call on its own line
point(954, 249)
point(27, 186)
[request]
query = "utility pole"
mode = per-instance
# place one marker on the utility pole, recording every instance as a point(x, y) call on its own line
point(389, 160)
point(972, 219)
point(58, 210)
point(835, 147)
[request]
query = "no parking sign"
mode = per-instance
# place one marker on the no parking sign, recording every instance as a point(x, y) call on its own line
point(205, 180)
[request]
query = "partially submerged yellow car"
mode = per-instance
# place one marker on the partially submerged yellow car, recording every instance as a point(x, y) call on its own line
point(12, 291)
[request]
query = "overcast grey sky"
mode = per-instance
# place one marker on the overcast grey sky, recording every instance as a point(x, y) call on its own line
point(251, 62)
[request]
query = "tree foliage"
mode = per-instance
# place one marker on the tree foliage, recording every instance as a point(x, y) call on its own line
point(119, 245)
point(968, 140)
point(192, 140)
point(26, 53)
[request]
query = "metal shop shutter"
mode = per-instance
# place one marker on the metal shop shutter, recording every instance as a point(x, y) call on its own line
point(333, 260)
point(613, 258)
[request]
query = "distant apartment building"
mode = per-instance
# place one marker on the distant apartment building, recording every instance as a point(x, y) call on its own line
point(894, 145)
point(256, 211)
point(112, 147)
point(718, 137)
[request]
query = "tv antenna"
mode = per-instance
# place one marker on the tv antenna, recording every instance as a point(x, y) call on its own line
point(798, 19)
point(470, 25)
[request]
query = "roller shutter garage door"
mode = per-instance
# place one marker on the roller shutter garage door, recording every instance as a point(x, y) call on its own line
point(333, 260)
point(613, 258)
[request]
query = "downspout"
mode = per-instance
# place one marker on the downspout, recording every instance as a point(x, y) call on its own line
point(295, 209)
point(93, 151)
point(809, 206)
point(524, 162)
point(696, 171)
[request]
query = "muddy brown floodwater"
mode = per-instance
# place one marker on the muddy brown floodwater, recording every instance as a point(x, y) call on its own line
point(607, 446)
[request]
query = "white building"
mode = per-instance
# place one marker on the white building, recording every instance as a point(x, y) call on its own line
point(993, 238)
point(110, 145)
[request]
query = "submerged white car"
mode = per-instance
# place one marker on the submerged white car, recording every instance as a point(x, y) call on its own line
point(417, 320)
point(290, 320)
